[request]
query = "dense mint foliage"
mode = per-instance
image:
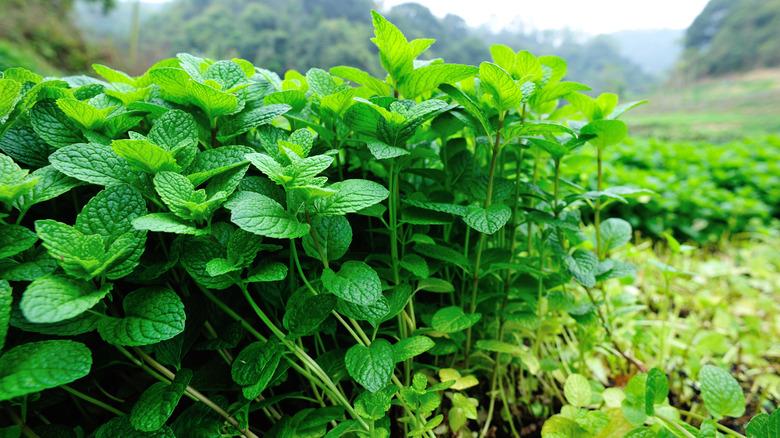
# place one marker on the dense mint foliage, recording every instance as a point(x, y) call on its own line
point(209, 249)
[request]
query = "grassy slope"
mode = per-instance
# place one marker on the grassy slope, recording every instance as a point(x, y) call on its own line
point(713, 109)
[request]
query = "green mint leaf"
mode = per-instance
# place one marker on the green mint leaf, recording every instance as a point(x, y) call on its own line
point(321, 82)
point(265, 272)
point(83, 113)
point(722, 394)
point(363, 78)
point(374, 313)
point(6, 300)
point(54, 299)
point(364, 117)
point(528, 128)
point(410, 347)
point(81, 256)
point(255, 366)
point(355, 282)
point(607, 132)
point(36, 366)
point(269, 166)
point(416, 265)
point(351, 195)
point(615, 233)
point(396, 54)
point(453, 319)
point(213, 162)
point(500, 86)
point(166, 223)
point(145, 156)
point(14, 181)
point(305, 312)
point(436, 285)
point(415, 116)
point(21, 143)
point(296, 99)
point(53, 126)
point(426, 79)
point(15, 239)
point(10, 93)
point(577, 390)
point(374, 405)
point(242, 247)
point(213, 101)
point(157, 403)
point(500, 347)
point(174, 129)
point(328, 239)
point(442, 253)
point(657, 388)
point(33, 264)
point(527, 67)
point(180, 196)
point(504, 56)
point(250, 119)
point(93, 163)
point(227, 74)
point(372, 367)
point(262, 215)
point(582, 265)
point(196, 253)
point(383, 151)
point(558, 426)
point(488, 220)
point(151, 315)
point(764, 425)
point(112, 75)
point(556, 150)
point(470, 106)
point(303, 170)
point(51, 183)
point(110, 214)
point(217, 267)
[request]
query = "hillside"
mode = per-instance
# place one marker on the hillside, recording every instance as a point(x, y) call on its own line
point(721, 108)
point(733, 35)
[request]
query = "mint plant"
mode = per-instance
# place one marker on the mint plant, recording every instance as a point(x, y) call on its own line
point(211, 249)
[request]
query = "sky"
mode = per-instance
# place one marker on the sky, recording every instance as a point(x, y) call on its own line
point(591, 17)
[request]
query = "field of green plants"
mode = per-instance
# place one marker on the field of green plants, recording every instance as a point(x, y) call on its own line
point(212, 249)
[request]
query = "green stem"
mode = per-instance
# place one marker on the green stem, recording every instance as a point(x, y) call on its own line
point(481, 244)
point(92, 400)
point(29, 433)
point(307, 360)
point(499, 313)
point(248, 327)
point(608, 330)
point(718, 425)
point(597, 208)
point(392, 204)
point(159, 372)
point(195, 393)
point(214, 142)
point(673, 425)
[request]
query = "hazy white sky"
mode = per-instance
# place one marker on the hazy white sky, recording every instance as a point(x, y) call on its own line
point(588, 16)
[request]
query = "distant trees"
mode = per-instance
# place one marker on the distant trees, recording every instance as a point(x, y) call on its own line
point(298, 34)
point(292, 34)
